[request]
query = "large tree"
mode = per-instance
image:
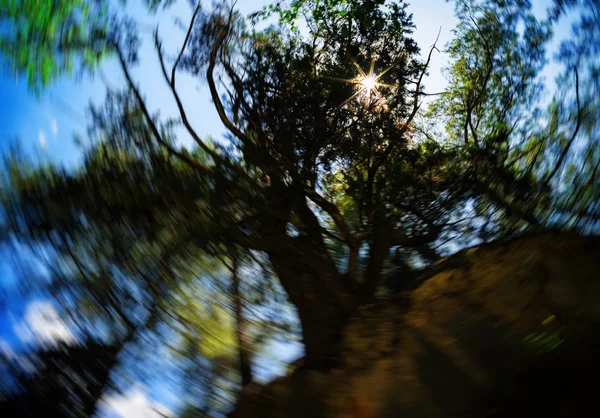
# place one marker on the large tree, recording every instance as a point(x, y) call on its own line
point(327, 176)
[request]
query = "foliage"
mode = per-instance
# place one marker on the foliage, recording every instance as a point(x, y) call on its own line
point(65, 381)
point(543, 342)
point(44, 39)
point(572, 139)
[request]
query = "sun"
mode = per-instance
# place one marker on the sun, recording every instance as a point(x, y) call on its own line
point(367, 86)
point(369, 82)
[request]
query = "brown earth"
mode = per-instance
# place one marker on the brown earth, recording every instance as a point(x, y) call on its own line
point(503, 329)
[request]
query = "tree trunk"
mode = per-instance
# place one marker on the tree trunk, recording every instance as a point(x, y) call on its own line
point(321, 313)
point(378, 251)
point(244, 352)
point(309, 276)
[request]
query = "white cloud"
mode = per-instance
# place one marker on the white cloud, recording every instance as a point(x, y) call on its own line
point(42, 137)
point(41, 322)
point(133, 404)
point(54, 127)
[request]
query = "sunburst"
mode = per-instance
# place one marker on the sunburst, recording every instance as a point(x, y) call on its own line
point(367, 86)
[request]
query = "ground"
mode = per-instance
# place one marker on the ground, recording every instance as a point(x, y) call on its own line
point(504, 329)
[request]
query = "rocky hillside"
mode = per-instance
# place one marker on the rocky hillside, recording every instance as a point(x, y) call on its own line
point(503, 329)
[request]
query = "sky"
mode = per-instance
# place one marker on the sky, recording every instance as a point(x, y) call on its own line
point(46, 125)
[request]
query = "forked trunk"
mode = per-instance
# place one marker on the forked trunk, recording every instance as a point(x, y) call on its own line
point(321, 314)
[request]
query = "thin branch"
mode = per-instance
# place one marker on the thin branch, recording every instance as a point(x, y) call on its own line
point(580, 193)
point(434, 94)
point(213, 88)
point(470, 107)
point(216, 157)
point(182, 113)
point(331, 235)
point(470, 123)
point(510, 208)
point(417, 240)
point(335, 214)
point(486, 42)
point(180, 106)
point(249, 110)
point(244, 345)
point(131, 327)
point(416, 106)
point(184, 157)
point(349, 238)
point(185, 42)
point(577, 127)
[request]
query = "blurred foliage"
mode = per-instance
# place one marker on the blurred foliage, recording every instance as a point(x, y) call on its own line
point(321, 200)
point(543, 342)
point(44, 39)
point(64, 381)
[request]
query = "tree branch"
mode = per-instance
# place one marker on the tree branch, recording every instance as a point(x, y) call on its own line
point(335, 214)
point(184, 45)
point(184, 157)
point(509, 208)
point(563, 155)
point(213, 88)
point(331, 235)
point(417, 240)
point(349, 238)
point(416, 106)
point(180, 106)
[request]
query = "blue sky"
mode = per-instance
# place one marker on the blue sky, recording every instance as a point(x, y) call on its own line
point(46, 125)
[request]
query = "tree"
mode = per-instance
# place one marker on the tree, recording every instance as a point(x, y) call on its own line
point(493, 106)
point(325, 175)
point(67, 381)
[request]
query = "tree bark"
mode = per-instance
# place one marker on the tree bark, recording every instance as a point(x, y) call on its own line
point(324, 300)
point(244, 349)
point(378, 250)
point(322, 315)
